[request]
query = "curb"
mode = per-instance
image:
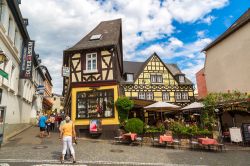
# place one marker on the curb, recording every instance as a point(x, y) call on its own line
point(15, 134)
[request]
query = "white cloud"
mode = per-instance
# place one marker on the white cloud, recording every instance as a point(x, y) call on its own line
point(208, 19)
point(192, 10)
point(201, 34)
point(56, 25)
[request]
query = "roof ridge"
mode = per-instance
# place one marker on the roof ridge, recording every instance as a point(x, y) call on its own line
point(242, 20)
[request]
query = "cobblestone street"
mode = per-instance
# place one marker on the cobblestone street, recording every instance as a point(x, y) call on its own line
point(28, 149)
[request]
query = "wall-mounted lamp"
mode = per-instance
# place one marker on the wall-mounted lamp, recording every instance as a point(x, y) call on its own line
point(3, 57)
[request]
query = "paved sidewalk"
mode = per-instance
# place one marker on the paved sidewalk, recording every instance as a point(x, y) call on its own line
point(29, 148)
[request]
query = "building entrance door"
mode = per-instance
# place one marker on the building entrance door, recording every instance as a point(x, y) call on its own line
point(2, 118)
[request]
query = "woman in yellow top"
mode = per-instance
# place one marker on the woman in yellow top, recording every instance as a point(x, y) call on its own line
point(67, 132)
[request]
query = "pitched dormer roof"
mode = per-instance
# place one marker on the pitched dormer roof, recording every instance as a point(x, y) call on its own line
point(105, 34)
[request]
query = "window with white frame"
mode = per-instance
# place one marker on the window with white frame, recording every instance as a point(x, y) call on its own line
point(16, 37)
point(141, 95)
point(181, 79)
point(165, 96)
point(156, 78)
point(153, 78)
point(1, 9)
point(178, 95)
point(91, 62)
point(149, 96)
point(130, 77)
point(184, 95)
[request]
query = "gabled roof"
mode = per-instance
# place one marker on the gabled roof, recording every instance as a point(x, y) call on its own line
point(110, 32)
point(245, 18)
point(137, 68)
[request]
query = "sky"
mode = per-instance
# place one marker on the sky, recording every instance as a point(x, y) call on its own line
point(177, 30)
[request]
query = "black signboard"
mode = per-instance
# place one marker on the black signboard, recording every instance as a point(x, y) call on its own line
point(27, 60)
point(246, 131)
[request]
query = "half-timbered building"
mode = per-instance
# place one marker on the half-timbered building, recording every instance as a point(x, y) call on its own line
point(157, 81)
point(96, 67)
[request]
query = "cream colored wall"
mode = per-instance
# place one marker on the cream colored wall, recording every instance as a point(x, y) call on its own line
point(227, 65)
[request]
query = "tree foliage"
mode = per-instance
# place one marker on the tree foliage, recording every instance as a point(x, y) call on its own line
point(123, 105)
point(212, 100)
point(134, 125)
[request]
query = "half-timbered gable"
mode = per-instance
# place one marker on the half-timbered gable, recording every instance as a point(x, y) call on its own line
point(155, 80)
point(96, 68)
point(97, 57)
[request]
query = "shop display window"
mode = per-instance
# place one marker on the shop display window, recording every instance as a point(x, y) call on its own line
point(95, 104)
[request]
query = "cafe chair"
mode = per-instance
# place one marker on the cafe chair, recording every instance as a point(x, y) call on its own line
point(139, 139)
point(118, 138)
point(194, 144)
point(155, 141)
point(176, 142)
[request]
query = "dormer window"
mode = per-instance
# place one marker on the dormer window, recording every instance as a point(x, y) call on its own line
point(181, 79)
point(96, 37)
point(130, 77)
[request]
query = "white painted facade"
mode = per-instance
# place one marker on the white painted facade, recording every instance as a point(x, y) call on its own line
point(18, 95)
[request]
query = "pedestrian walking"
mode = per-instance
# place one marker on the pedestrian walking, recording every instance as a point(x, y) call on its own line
point(52, 119)
point(67, 133)
point(48, 123)
point(42, 124)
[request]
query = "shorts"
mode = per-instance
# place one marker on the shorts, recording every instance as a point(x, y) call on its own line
point(42, 128)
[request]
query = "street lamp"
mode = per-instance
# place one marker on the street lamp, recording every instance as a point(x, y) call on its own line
point(2, 56)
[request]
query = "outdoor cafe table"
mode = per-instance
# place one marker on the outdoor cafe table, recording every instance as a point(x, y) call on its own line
point(207, 141)
point(131, 136)
point(165, 138)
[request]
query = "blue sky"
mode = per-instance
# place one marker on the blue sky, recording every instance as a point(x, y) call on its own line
point(176, 30)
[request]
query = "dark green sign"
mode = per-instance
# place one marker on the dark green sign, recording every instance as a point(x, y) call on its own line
point(4, 74)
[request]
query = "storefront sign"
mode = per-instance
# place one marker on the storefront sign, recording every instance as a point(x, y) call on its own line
point(65, 71)
point(27, 60)
point(4, 74)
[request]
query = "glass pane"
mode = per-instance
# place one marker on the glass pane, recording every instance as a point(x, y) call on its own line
point(89, 64)
point(94, 64)
point(89, 56)
point(93, 55)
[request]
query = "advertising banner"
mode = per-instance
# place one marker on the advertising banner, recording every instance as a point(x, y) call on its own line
point(27, 60)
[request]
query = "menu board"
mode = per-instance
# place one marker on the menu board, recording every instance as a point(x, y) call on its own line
point(235, 134)
point(246, 131)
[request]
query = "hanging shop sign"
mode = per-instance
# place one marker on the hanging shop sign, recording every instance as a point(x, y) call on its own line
point(65, 71)
point(27, 60)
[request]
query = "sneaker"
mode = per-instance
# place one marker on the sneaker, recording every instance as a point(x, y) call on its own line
point(74, 161)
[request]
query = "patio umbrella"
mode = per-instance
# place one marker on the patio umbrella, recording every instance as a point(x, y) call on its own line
point(161, 106)
point(194, 105)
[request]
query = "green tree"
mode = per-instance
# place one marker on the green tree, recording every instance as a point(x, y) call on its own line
point(134, 125)
point(212, 100)
point(123, 105)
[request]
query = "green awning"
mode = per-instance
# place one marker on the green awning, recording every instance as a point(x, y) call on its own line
point(4, 74)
